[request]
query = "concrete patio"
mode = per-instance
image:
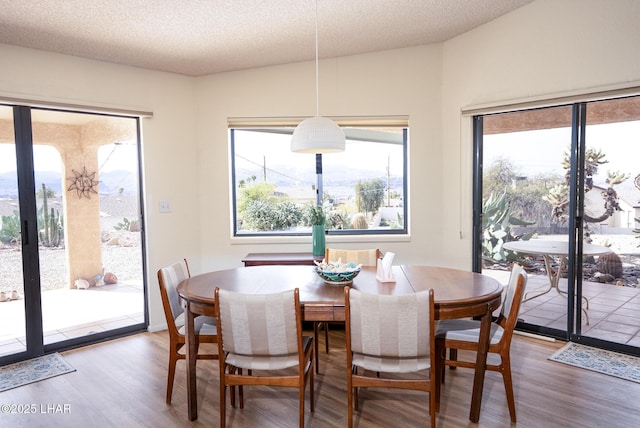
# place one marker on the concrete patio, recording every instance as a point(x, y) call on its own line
point(69, 313)
point(614, 311)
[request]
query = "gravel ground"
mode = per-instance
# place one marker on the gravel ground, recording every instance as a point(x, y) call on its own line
point(121, 254)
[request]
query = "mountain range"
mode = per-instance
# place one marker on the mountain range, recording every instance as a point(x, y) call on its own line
point(110, 183)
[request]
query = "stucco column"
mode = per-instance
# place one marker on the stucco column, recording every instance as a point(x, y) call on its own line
point(82, 213)
point(78, 145)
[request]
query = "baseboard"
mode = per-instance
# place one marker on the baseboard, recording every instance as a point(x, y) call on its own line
point(157, 327)
point(534, 336)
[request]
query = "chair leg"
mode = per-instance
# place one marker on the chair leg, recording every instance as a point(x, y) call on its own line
point(349, 396)
point(326, 337)
point(433, 416)
point(223, 401)
point(355, 399)
point(433, 402)
point(241, 389)
point(316, 345)
point(438, 377)
point(301, 407)
point(354, 370)
point(441, 357)
point(350, 407)
point(232, 390)
point(311, 391)
point(453, 356)
point(508, 387)
point(171, 375)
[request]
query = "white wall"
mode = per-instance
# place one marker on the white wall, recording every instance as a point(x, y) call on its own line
point(547, 47)
point(398, 82)
point(169, 153)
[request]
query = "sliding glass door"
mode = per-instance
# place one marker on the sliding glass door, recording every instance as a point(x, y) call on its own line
point(12, 309)
point(78, 234)
point(612, 219)
point(566, 174)
point(523, 167)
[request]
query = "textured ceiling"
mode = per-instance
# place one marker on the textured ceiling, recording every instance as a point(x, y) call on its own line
point(196, 37)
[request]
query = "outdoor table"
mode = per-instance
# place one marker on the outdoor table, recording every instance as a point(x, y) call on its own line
point(548, 250)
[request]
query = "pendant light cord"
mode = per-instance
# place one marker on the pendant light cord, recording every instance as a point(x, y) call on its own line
point(317, 86)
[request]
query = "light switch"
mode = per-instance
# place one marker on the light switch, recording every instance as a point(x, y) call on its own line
point(165, 206)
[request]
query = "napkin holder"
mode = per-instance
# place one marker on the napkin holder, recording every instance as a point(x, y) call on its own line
point(384, 272)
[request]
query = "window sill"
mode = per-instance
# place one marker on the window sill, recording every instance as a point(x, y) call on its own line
point(330, 239)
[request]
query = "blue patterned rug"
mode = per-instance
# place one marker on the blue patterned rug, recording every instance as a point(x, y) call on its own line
point(599, 360)
point(34, 370)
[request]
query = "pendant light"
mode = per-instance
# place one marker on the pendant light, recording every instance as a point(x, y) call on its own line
point(317, 134)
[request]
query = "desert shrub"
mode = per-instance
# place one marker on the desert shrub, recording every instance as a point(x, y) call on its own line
point(497, 222)
point(265, 216)
point(10, 231)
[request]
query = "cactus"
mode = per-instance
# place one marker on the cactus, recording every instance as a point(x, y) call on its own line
point(359, 221)
point(610, 264)
point(10, 228)
point(496, 228)
point(126, 224)
point(51, 232)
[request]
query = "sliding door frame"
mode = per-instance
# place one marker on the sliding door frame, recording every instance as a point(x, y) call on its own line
point(29, 232)
point(34, 330)
point(576, 222)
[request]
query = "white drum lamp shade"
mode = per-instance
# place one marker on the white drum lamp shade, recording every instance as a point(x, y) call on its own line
point(317, 135)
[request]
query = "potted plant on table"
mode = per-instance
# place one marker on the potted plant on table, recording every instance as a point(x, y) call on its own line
point(316, 217)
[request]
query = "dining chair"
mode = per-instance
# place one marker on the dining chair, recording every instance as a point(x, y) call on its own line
point(367, 258)
point(205, 327)
point(464, 334)
point(262, 333)
point(390, 335)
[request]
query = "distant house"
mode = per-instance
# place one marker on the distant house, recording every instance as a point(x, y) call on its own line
point(628, 200)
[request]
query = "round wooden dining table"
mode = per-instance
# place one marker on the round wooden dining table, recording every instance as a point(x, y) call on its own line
point(458, 294)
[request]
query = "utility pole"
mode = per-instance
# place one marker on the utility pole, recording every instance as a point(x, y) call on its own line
point(388, 180)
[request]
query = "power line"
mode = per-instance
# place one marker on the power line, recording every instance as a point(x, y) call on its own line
point(264, 167)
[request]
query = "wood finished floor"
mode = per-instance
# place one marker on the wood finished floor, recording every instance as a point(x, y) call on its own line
point(121, 384)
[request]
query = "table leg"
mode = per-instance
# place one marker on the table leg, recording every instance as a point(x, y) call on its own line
point(191, 355)
point(554, 281)
point(481, 364)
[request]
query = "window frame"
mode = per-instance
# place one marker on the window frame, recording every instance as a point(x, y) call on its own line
point(287, 126)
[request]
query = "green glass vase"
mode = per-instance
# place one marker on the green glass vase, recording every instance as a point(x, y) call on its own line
point(317, 238)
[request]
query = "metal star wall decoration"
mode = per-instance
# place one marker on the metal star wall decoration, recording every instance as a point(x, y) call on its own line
point(83, 183)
